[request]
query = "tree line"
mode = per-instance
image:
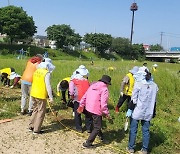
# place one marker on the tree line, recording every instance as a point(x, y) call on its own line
point(17, 25)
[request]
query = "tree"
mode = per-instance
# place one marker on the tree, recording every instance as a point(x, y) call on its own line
point(137, 51)
point(98, 40)
point(121, 46)
point(15, 22)
point(156, 47)
point(63, 35)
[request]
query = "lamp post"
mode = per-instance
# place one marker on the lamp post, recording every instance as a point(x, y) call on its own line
point(133, 8)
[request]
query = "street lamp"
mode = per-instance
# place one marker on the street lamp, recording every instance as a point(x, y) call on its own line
point(133, 8)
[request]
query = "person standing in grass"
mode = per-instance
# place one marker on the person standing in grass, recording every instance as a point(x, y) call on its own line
point(77, 88)
point(26, 82)
point(126, 88)
point(40, 91)
point(142, 108)
point(63, 86)
point(95, 103)
point(154, 68)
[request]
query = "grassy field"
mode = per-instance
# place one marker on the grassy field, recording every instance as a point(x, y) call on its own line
point(165, 133)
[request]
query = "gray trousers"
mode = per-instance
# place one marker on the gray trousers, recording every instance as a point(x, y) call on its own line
point(39, 110)
point(25, 90)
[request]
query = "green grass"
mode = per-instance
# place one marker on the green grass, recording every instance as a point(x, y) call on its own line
point(165, 134)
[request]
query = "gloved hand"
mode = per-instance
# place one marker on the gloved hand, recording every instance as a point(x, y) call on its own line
point(80, 109)
point(58, 93)
point(121, 93)
point(129, 113)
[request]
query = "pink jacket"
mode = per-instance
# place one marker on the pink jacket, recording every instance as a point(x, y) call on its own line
point(96, 98)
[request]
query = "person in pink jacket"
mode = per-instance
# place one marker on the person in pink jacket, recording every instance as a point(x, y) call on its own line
point(95, 102)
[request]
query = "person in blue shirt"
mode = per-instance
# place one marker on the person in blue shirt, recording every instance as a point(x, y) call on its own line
point(142, 108)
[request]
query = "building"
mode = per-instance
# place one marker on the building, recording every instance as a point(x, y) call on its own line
point(146, 47)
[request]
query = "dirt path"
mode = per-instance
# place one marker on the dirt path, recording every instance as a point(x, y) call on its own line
point(16, 139)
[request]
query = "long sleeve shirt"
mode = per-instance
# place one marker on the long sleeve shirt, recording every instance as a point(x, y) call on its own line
point(144, 97)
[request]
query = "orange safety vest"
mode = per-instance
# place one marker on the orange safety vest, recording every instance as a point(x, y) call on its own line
point(82, 86)
point(29, 71)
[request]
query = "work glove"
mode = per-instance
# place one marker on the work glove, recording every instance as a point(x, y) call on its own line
point(121, 93)
point(58, 93)
point(129, 113)
point(80, 109)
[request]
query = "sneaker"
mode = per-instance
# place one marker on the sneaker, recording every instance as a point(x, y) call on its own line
point(101, 138)
point(130, 151)
point(143, 151)
point(117, 109)
point(23, 112)
point(31, 129)
point(87, 145)
point(30, 113)
point(89, 131)
point(37, 133)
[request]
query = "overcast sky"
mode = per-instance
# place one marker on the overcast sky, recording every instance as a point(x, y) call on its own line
point(153, 18)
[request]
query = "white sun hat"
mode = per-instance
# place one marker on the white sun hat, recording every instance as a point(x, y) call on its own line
point(83, 70)
point(47, 64)
point(155, 65)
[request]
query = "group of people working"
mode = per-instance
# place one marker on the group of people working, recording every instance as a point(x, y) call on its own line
point(91, 99)
point(137, 87)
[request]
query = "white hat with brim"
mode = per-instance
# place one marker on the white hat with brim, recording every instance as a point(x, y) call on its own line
point(83, 71)
point(47, 65)
point(134, 70)
point(155, 65)
point(13, 75)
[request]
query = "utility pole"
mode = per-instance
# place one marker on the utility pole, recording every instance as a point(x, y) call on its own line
point(8, 3)
point(161, 38)
point(133, 8)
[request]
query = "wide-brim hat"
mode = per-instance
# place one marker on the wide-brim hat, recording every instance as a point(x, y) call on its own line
point(13, 75)
point(106, 79)
point(47, 64)
point(83, 71)
point(155, 65)
point(134, 70)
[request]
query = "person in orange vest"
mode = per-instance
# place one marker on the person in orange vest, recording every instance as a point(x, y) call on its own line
point(40, 91)
point(77, 88)
point(126, 88)
point(27, 81)
point(5, 74)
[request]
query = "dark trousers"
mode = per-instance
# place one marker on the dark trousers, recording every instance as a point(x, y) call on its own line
point(122, 100)
point(97, 125)
point(78, 120)
point(64, 96)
